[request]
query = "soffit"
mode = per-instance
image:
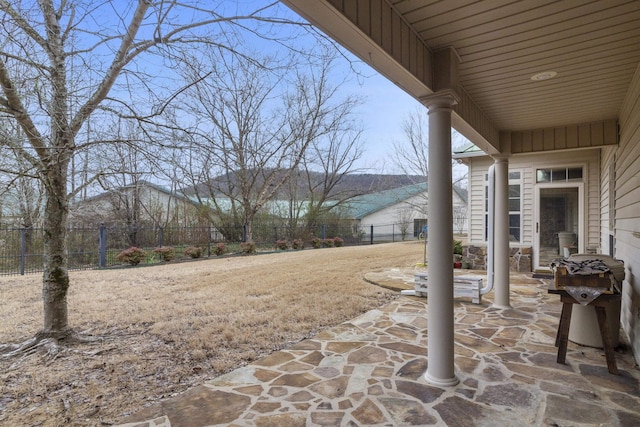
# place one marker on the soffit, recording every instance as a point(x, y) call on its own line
point(594, 46)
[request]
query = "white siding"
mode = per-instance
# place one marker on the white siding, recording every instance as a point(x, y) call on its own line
point(592, 200)
point(607, 174)
point(527, 165)
point(528, 205)
point(627, 211)
point(387, 221)
point(477, 171)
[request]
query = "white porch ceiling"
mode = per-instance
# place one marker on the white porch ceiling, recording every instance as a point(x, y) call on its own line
point(593, 46)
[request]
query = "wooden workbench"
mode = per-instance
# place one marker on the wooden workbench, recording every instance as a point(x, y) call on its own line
point(599, 304)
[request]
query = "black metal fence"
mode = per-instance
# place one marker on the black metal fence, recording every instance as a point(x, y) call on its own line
point(22, 249)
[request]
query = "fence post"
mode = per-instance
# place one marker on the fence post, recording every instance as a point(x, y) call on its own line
point(244, 233)
point(323, 234)
point(371, 238)
point(275, 232)
point(209, 243)
point(159, 237)
point(23, 248)
point(393, 232)
point(102, 246)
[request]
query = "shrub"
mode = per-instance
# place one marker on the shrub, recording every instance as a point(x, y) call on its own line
point(193, 252)
point(338, 242)
point(166, 253)
point(316, 242)
point(297, 244)
point(248, 247)
point(457, 247)
point(282, 245)
point(220, 249)
point(329, 242)
point(132, 256)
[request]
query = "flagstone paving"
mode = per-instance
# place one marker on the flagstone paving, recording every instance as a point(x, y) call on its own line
point(369, 372)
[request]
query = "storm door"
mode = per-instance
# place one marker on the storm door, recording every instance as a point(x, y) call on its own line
point(558, 225)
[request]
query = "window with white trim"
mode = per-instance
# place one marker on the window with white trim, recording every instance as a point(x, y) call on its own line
point(559, 174)
point(515, 206)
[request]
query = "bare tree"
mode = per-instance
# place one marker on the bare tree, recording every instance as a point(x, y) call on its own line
point(254, 121)
point(405, 216)
point(22, 196)
point(328, 162)
point(20, 191)
point(459, 218)
point(61, 63)
point(411, 155)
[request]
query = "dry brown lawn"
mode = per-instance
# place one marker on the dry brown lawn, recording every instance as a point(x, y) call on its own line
point(168, 327)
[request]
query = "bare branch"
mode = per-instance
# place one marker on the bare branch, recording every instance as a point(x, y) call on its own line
point(17, 17)
point(13, 103)
point(120, 60)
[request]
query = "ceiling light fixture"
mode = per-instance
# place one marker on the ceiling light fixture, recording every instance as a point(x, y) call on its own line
point(545, 75)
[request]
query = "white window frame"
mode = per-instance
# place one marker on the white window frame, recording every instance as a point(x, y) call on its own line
point(512, 181)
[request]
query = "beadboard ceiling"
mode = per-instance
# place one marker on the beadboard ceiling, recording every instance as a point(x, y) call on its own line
point(593, 46)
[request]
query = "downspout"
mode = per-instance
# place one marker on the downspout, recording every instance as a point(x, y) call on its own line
point(490, 230)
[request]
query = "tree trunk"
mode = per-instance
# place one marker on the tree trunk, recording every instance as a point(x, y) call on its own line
point(249, 229)
point(56, 276)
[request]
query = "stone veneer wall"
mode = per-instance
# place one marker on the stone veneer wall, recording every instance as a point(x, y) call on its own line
point(519, 258)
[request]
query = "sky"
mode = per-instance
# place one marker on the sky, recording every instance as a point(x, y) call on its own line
point(385, 105)
point(383, 111)
point(385, 108)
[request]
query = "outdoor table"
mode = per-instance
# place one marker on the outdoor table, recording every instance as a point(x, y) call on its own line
point(599, 304)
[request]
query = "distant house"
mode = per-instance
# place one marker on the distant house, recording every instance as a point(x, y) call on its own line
point(400, 213)
point(142, 203)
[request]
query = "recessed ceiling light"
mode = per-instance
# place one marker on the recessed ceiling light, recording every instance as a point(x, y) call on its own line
point(545, 75)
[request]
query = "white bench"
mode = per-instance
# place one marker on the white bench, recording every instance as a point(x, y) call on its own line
point(463, 286)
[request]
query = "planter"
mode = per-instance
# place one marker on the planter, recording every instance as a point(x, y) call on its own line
point(457, 264)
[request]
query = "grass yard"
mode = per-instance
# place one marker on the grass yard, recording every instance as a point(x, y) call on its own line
point(169, 327)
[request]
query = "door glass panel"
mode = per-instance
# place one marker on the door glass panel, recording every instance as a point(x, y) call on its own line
point(559, 210)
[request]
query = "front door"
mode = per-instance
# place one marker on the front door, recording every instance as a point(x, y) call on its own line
point(558, 228)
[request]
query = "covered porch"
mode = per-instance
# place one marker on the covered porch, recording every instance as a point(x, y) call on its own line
point(370, 371)
point(517, 79)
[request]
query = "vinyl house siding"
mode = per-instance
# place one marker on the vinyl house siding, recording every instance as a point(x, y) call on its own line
point(387, 219)
point(607, 173)
point(399, 212)
point(627, 211)
point(477, 170)
point(527, 165)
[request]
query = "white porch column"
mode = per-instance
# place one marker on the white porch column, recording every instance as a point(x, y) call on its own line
point(440, 341)
point(501, 227)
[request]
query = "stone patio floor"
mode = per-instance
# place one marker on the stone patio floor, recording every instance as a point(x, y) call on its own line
point(369, 372)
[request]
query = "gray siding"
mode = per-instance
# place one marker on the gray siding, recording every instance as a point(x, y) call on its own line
point(627, 211)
